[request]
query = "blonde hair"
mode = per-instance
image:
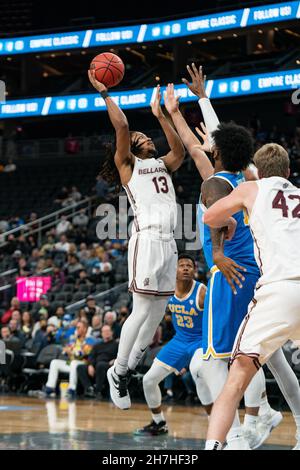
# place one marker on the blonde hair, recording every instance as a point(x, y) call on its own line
point(272, 160)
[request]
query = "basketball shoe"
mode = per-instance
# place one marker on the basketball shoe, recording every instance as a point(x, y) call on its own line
point(118, 387)
point(153, 429)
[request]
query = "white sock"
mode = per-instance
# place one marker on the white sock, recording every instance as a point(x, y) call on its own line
point(213, 445)
point(135, 358)
point(264, 406)
point(250, 421)
point(158, 417)
point(121, 366)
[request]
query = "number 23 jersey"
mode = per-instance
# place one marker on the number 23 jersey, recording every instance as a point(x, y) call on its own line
point(152, 197)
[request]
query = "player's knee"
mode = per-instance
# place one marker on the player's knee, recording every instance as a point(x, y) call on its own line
point(241, 373)
point(147, 381)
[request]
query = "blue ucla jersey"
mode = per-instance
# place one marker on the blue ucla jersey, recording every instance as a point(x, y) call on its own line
point(187, 315)
point(241, 247)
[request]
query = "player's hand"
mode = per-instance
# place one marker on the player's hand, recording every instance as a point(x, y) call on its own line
point(156, 104)
point(96, 84)
point(171, 101)
point(230, 229)
point(230, 269)
point(197, 86)
point(204, 136)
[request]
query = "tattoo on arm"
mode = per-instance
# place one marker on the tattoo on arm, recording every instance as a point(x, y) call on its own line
point(212, 190)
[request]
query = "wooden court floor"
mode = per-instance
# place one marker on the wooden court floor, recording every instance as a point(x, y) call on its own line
point(32, 423)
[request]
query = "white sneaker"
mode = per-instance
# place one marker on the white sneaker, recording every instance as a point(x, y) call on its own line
point(267, 422)
point(252, 436)
point(237, 443)
point(297, 446)
point(118, 389)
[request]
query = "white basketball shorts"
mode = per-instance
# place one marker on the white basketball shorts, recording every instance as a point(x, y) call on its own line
point(273, 318)
point(152, 264)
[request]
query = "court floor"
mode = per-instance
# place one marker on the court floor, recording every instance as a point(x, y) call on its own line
point(32, 423)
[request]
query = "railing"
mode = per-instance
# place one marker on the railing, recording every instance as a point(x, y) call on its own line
point(113, 290)
point(40, 225)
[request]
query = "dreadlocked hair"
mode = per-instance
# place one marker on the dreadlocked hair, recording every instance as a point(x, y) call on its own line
point(109, 170)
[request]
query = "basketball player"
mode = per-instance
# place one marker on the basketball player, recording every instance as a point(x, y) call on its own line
point(152, 252)
point(186, 306)
point(256, 430)
point(273, 206)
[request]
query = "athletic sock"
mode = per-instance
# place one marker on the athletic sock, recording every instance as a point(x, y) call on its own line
point(264, 406)
point(121, 366)
point(135, 358)
point(213, 445)
point(250, 421)
point(158, 417)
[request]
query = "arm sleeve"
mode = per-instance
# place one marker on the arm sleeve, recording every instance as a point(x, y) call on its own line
point(210, 118)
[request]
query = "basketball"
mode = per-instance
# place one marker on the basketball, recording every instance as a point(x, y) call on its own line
point(109, 69)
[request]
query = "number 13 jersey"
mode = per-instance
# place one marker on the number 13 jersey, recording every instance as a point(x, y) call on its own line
point(152, 197)
point(275, 226)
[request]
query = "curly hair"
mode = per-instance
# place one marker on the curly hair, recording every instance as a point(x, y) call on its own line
point(235, 146)
point(109, 171)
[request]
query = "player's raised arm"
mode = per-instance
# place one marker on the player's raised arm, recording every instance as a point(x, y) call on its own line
point(190, 141)
point(119, 121)
point(175, 157)
point(219, 213)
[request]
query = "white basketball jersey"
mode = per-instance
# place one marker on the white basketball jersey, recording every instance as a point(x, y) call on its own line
point(152, 197)
point(275, 226)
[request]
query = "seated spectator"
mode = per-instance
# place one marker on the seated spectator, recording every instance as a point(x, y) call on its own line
point(66, 331)
point(123, 315)
point(34, 260)
point(110, 318)
point(6, 334)
point(96, 326)
point(83, 279)
point(81, 220)
point(27, 324)
point(91, 308)
point(57, 279)
point(101, 188)
point(83, 253)
point(63, 244)
point(73, 266)
point(15, 329)
point(48, 246)
point(101, 358)
point(62, 195)
point(42, 307)
point(76, 353)
point(75, 195)
point(63, 226)
point(23, 268)
point(14, 305)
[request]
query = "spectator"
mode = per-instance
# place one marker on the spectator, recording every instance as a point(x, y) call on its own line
point(34, 259)
point(81, 220)
point(16, 331)
point(75, 195)
point(96, 326)
point(76, 353)
point(57, 279)
point(4, 226)
point(48, 246)
point(6, 334)
point(110, 318)
point(41, 308)
point(83, 279)
point(27, 324)
point(63, 244)
point(23, 268)
point(45, 335)
point(63, 226)
point(72, 145)
point(91, 308)
point(101, 188)
point(62, 195)
point(14, 305)
point(66, 331)
point(73, 265)
point(123, 314)
point(101, 358)
point(83, 253)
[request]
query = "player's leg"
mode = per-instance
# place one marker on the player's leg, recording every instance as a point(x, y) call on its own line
point(147, 331)
point(117, 374)
point(224, 409)
point(214, 373)
point(151, 380)
point(56, 366)
point(289, 386)
point(202, 388)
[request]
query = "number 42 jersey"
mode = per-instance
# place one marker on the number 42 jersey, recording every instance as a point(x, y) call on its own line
point(275, 226)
